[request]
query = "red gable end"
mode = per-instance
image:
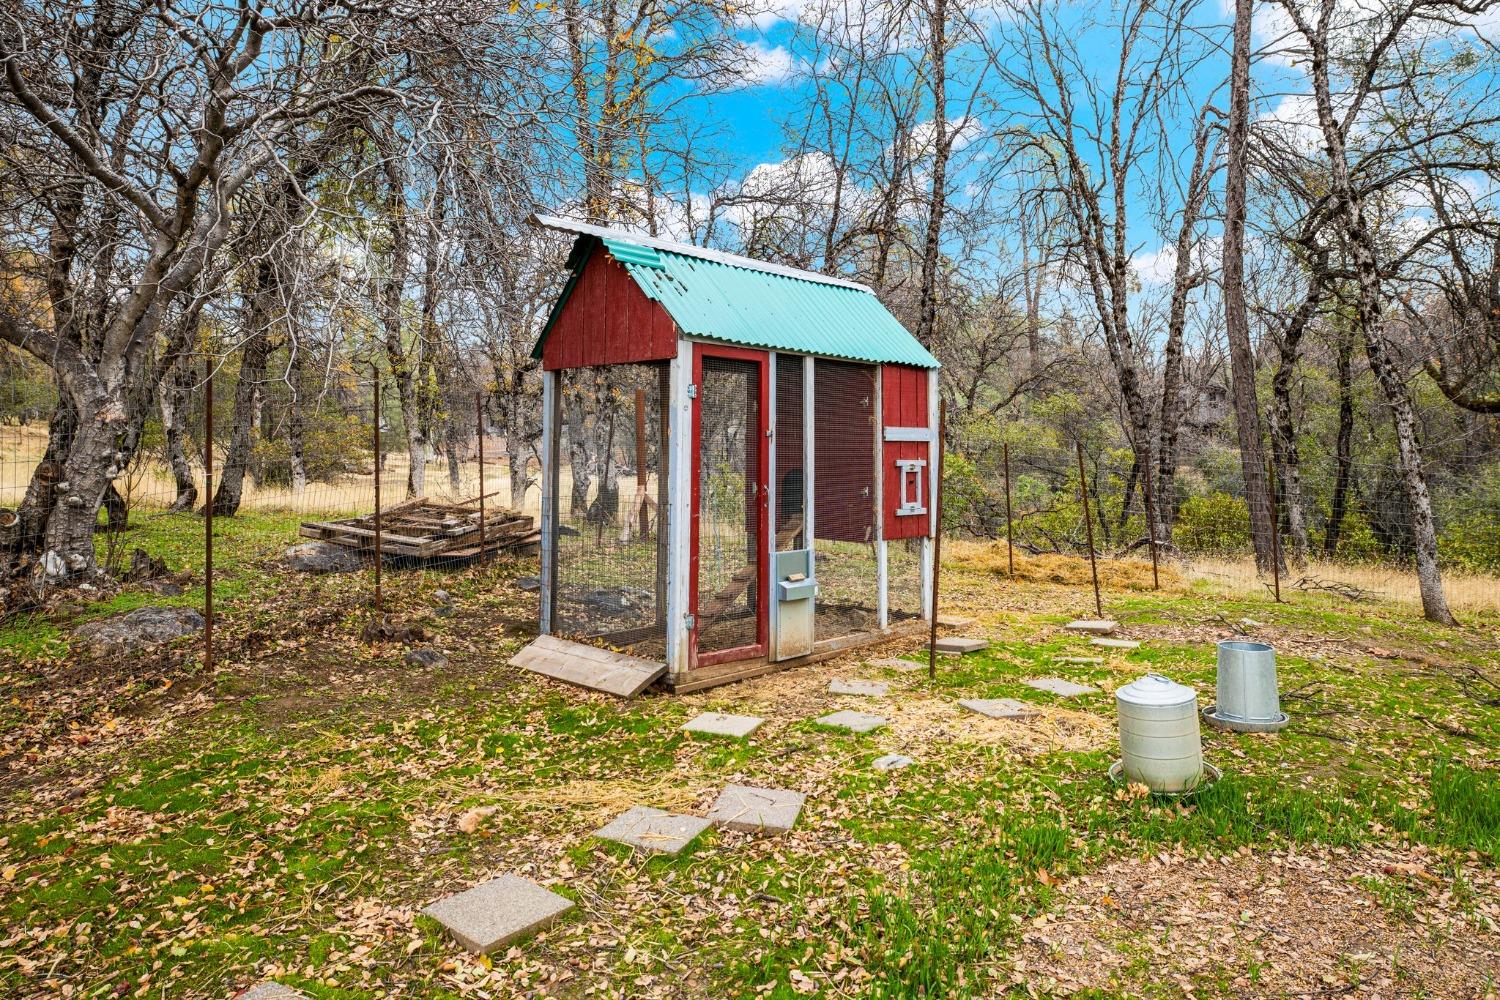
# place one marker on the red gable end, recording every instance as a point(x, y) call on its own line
point(607, 320)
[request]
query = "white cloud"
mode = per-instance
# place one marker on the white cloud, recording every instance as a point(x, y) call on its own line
point(769, 13)
point(961, 131)
point(1157, 267)
point(766, 64)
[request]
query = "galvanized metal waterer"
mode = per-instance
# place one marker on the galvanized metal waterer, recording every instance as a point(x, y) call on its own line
point(1160, 745)
point(1248, 699)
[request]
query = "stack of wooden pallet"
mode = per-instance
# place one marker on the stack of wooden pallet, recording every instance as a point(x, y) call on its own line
point(423, 528)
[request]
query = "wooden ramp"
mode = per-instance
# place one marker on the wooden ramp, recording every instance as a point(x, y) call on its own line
point(588, 666)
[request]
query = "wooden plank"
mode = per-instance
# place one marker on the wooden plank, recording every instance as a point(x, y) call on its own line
point(385, 536)
point(739, 670)
point(589, 667)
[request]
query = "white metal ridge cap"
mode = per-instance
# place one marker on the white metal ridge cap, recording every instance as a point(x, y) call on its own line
point(689, 250)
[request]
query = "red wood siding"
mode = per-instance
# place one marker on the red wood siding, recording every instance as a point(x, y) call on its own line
point(903, 397)
point(608, 320)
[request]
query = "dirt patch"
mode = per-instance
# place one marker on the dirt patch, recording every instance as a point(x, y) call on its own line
point(934, 722)
point(917, 720)
point(1321, 923)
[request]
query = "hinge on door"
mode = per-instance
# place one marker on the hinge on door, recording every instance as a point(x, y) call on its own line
point(692, 390)
point(690, 622)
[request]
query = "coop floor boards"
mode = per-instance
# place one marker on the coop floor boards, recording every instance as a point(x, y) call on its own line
point(588, 666)
point(743, 670)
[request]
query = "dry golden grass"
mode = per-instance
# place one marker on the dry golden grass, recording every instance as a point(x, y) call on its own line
point(150, 483)
point(1116, 574)
point(1467, 592)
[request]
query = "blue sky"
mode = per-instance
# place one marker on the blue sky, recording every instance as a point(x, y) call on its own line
point(751, 119)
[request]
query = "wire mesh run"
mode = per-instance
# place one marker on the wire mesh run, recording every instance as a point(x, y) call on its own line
point(791, 454)
point(903, 566)
point(610, 482)
point(729, 581)
point(844, 421)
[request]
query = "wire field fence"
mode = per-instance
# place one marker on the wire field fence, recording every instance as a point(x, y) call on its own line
point(1340, 531)
point(226, 484)
point(321, 482)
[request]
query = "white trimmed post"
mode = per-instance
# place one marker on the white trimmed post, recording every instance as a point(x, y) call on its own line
point(882, 570)
point(928, 611)
point(549, 499)
point(679, 513)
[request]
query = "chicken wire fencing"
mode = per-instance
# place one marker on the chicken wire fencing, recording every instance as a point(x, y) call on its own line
point(730, 595)
point(1342, 529)
point(610, 482)
point(305, 469)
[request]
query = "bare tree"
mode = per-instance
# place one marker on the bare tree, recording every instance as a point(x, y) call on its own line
point(139, 128)
point(1093, 136)
point(1364, 63)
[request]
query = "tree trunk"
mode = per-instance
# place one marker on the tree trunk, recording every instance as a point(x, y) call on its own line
point(1284, 453)
point(1186, 277)
point(91, 465)
point(1236, 317)
point(450, 442)
point(1368, 310)
point(171, 398)
point(25, 543)
point(1288, 463)
point(1344, 449)
point(231, 489)
point(296, 426)
point(389, 295)
point(520, 472)
point(580, 461)
point(937, 59)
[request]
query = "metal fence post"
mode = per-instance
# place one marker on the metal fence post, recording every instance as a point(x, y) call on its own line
point(1088, 524)
point(937, 543)
point(208, 513)
point(479, 454)
point(377, 500)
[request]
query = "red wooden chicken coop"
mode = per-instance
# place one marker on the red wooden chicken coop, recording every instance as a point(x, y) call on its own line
point(738, 467)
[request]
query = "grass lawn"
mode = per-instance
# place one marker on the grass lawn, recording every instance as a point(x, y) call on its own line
point(167, 831)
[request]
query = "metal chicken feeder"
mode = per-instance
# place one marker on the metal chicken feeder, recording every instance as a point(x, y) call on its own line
point(1248, 700)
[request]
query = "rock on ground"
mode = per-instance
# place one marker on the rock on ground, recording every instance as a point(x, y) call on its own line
point(321, 557)
point(141, 627)
point(426, 656)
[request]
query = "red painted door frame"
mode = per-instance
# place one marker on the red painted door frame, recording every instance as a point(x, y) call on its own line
point(761, 359)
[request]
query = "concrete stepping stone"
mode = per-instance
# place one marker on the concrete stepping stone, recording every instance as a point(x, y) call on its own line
point(868, 689)
point(653, 831)
point(495, 913)
point(896, 663)
point(956, 621)
point(1079, 661)
point(271, 991)
point(892, 762)
point(855, 722)
point(1001, 708)
point(1092, 626)
point(961, 644)
point(723, 724)
point(1107, 643)
point(756, 810)
point(1057, 685)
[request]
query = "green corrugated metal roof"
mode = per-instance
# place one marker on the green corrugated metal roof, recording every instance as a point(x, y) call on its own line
point(633, 254)
point(742, 305)
point(739, 301)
